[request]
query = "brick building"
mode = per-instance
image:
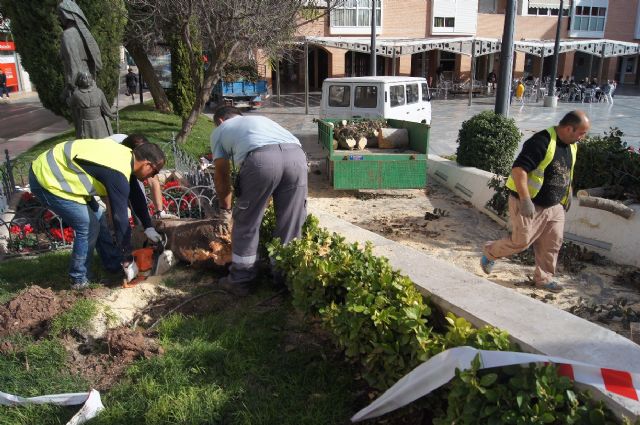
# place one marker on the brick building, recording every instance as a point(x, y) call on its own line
point(429, 37)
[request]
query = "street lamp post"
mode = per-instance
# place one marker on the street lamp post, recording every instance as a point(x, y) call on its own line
point(552, 100)
point(506, 60)
point(373, 39)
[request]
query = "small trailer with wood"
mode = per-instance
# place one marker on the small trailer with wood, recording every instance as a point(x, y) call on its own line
point(375, 154)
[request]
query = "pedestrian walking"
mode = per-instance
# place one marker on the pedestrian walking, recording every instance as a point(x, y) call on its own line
point(540, 193)
point(272, 164)
point(131, 81)
point(68, 176)
point(3, 85)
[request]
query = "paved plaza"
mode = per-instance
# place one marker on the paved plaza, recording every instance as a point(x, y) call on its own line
point(449, 114)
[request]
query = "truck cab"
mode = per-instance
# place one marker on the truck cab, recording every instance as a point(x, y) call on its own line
point(402, 98)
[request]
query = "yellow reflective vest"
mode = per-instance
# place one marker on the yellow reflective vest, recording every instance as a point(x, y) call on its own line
point(535, 178)
point(59, 172)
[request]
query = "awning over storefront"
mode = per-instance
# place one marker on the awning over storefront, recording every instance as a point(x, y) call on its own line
point(481, 46)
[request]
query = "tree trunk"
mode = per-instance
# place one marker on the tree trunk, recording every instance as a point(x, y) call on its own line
point(614, 207)
point(149, 76)
point(211, 77)
point(603, 192)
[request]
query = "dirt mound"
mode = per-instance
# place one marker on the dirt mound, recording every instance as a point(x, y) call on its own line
point(131, 345)
point(32, 310)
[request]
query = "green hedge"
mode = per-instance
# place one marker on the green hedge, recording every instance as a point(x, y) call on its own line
point(385, 326)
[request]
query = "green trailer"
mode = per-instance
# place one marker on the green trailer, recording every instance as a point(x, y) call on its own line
point(378, 168)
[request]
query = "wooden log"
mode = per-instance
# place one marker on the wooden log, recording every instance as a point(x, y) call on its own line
point(348, 143)
point(362, 143)
point(614, 207)
point(603, 192)
point(393, 138)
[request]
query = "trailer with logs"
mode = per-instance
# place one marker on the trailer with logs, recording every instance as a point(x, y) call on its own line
point(375, 154)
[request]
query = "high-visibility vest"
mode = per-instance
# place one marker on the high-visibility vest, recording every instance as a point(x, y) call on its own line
point(535, 178)
point(58, 171)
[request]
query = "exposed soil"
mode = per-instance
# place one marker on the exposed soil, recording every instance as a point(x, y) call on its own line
point(439, 223)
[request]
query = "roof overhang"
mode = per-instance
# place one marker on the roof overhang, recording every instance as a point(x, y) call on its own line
point(478, 45)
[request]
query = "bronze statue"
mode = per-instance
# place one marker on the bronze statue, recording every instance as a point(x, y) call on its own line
point(91, 111)
point(81, 57)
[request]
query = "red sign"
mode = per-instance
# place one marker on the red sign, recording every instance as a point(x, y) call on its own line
point(7, 45)
point(12, 75)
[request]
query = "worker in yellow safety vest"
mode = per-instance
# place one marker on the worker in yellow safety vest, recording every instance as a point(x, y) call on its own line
point(68, 176)
point(540, 193)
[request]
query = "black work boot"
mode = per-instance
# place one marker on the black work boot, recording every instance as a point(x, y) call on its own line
point(240, 289)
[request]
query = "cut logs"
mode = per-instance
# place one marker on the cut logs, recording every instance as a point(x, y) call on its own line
point(592, 198)
point(356, 135)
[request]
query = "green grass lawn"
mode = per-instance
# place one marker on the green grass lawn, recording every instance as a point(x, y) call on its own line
point(143, 119)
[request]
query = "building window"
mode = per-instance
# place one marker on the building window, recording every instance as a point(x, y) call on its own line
point(355, 13)
point(441, 22)
point(546, 11)
point(588, 18)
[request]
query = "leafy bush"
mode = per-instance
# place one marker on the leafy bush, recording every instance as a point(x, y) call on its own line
point(376, 314)
point(488, 141)
point(607, 160)
point(519, 395)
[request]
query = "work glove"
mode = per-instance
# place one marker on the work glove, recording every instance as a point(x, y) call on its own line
point(130, 270)
point(152, 234)
point(223, 221)
point(527, 209)
point(163, 214)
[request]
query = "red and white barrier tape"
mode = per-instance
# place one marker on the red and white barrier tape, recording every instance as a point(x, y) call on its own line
point(441, 368)
point(92, 403)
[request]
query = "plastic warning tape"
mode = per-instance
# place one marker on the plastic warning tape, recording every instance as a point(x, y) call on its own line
point(441, 368)
point(92, 403)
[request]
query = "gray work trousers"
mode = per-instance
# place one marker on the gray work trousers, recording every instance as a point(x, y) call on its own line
point(273, 170)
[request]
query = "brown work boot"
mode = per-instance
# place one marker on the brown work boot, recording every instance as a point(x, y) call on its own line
point(240, 289)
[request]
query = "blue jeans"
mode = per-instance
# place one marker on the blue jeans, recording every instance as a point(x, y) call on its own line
point(91, 231)
point(4, 90)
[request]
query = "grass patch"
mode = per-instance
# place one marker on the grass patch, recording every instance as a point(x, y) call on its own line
point(77, 317)
point(48, 270)
point(32, 368)
point(236, 366)
point(144, 119)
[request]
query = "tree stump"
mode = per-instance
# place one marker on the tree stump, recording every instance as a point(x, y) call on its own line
point(197, 242)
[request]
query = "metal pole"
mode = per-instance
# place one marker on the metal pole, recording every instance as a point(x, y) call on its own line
point(506, 59)
point(601, 65)
point(278, 80)
point(353, 63)
point(541, 69)
point(556, 49)
point(141, 84)
point(473, 70)
point(306, 78)
point(373, 38)
point(393, 58)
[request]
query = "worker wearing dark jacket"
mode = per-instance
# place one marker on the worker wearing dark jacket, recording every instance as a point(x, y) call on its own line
point(272, 164)
point(540, 193)
point(68, 176)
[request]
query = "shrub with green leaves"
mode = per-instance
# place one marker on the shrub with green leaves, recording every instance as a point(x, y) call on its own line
point(488, 141)
point(607, 160)
point(519, 395)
